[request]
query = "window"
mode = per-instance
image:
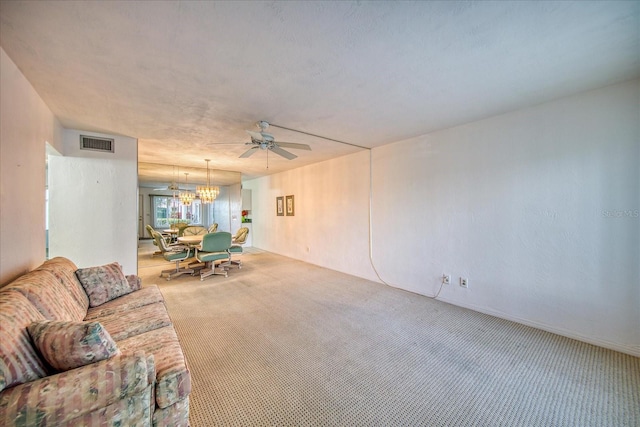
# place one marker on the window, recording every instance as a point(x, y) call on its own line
point(167, 210)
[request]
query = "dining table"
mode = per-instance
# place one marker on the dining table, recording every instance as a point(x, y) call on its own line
point(191, 240)
point(171, 232)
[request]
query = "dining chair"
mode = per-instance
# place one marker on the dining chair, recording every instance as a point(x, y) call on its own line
point(180, 226)
point(194, 230)
point(214, 247)
point(175, 253)
point(166, 237)
point(236, 245)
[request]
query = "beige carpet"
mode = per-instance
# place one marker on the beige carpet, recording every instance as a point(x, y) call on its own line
point(284, 343)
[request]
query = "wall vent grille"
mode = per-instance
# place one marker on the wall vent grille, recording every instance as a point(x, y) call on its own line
point(96, 144)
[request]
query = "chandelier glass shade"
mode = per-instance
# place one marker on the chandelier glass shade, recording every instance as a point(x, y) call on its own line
point(207, 193)
point(186, 196)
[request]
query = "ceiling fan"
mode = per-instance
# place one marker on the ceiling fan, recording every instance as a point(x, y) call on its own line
point(171, 187)
point(265, 141)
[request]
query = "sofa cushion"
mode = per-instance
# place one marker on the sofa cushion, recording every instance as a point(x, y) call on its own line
point(104, 283)
point(112, 392)
point(122, 325)
point(69, 345)
point(173, 381)
point(47, 294)
point(19, 360)
point(145, 296)
point(65, 270)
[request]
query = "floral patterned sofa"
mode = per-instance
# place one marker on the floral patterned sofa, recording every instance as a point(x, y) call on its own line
point(89, 347)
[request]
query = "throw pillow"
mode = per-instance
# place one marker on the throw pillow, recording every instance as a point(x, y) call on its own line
point(69, 345)
point(104, 283)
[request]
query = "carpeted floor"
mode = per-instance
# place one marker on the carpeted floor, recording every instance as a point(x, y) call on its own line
point(285, 343)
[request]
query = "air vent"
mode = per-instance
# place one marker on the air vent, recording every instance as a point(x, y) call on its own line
point(96, 144)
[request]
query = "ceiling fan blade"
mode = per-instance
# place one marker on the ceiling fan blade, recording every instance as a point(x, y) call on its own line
point(255, 135)
point(249, 152)
point(294, 145)
point(283, 153)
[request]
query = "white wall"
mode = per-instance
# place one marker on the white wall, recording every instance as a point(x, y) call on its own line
point(538, 208)
point(330, 226)
point(93, 203)
point(26, 125)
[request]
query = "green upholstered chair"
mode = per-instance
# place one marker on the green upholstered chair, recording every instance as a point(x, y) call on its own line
point(214, 247)
point(236, 245)
point(166, 237)
point(213, 228)
point(175, 253)
point(194, 230)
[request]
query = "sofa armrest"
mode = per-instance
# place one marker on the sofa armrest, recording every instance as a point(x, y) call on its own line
point(135, 282)
point(62, 397)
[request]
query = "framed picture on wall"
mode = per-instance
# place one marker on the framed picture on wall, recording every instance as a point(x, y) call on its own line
point(280, 206)
point(290, 207)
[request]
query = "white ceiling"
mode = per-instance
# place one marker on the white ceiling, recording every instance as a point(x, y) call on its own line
point(184, 77)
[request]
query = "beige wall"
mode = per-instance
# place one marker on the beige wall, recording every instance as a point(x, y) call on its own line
point(330, 226)
point(538, 209)
point(26, 126)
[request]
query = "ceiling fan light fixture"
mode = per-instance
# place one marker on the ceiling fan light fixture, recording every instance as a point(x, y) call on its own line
point(208, 193)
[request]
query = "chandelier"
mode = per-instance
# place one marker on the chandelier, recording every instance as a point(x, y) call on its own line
point(207, 193)
point(186, 196)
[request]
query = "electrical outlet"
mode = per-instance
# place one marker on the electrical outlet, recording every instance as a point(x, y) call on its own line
point(464, 282)
point(446, 279)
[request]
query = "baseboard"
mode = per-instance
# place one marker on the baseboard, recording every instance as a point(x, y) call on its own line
point(631, 350)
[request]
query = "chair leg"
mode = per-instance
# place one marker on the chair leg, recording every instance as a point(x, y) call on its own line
point(196, 265)
point(232, 261)
point(177, 272)
point(212, 269)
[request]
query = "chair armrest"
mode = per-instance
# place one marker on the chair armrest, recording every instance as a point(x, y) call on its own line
point(62, 397)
